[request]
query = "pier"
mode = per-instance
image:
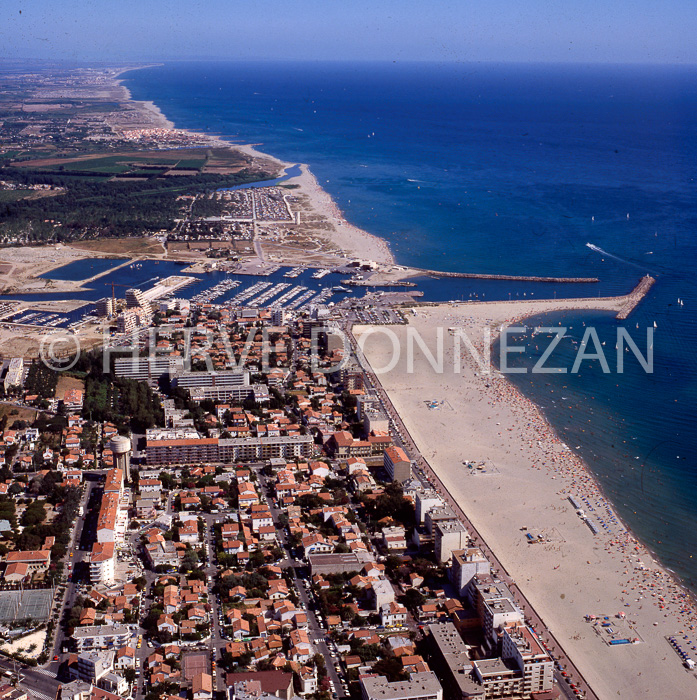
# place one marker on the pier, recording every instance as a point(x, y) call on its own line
point(166, 286)
point(384, 283)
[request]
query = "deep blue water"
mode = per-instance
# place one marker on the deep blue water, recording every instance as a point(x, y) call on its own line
point(512, 169)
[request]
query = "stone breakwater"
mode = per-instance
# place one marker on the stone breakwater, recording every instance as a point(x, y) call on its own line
point(624, 304)
point(515, 278)
point(635, 296)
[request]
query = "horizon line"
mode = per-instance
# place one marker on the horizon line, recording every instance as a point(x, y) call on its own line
point(386, 61)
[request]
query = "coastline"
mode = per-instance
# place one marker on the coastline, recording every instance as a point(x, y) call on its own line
point(592, 658)
point(530, 476)
point(347, 239)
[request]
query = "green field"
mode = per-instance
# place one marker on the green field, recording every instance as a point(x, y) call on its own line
point(146, 164)
point(16, 195)
point(12, 195)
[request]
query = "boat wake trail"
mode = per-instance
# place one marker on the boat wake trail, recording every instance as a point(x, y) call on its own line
point(598, 249)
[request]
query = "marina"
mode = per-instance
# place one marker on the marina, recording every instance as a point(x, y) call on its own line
point(249, 293)
point(281, 302)
point(215, 292)
point(262, 299)
point(267, 286)
point(37, 319)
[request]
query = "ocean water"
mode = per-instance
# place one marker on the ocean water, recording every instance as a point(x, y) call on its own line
point(513, 169)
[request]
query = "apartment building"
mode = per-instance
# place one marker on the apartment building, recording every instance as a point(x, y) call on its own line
point(14, 375)
point(101, 636)
point(466, 564)
point(107, 518)
point(397, 464)
point(101, 563)
point(226, 451)
point(92, 666)
point(420, 686)
point(226, 378)
point(495, 606)
point(148, 369)
point(449, 536)
point(520, 646)
point(451, 658)
point(227, 394)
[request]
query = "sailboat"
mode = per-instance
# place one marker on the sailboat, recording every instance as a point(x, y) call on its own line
point(654, 324)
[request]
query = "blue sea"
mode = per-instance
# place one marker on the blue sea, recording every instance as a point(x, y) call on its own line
point(513, 169)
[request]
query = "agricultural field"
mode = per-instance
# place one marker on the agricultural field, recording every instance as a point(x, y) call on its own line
point(138, 163)
point(16, 195)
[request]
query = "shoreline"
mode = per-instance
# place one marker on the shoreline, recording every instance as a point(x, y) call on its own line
point(626, 299)
point(692, 594)
point(517, 395)
point(531, 475)
point(350, 239)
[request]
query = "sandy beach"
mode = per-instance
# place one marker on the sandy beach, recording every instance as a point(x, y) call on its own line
point(355, 242)
point(529, 476)
point(339, 236)
point(334, 235)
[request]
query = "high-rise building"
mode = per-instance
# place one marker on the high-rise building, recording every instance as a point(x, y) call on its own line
point(136, 299)
point(15, 373)
point(278, 317)
point(466, 564)
point(397, 464)
point(106, 306)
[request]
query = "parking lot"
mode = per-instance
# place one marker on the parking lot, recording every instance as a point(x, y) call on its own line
point(379, 316)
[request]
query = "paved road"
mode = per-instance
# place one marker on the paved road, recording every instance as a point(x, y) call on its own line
point(317, 634)
point(41, 683)
point(78, 556)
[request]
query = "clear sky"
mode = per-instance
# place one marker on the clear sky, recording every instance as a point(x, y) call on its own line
point(619, 31)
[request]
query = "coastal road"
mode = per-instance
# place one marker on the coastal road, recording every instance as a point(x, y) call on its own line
point(408, 444)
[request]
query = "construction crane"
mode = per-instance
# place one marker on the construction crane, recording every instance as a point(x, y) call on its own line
point(113, 294)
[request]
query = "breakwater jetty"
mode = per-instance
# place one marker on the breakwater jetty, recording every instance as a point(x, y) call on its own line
point(621, 305)
point(635, 296)
point(380, 283)
point(515, 278)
